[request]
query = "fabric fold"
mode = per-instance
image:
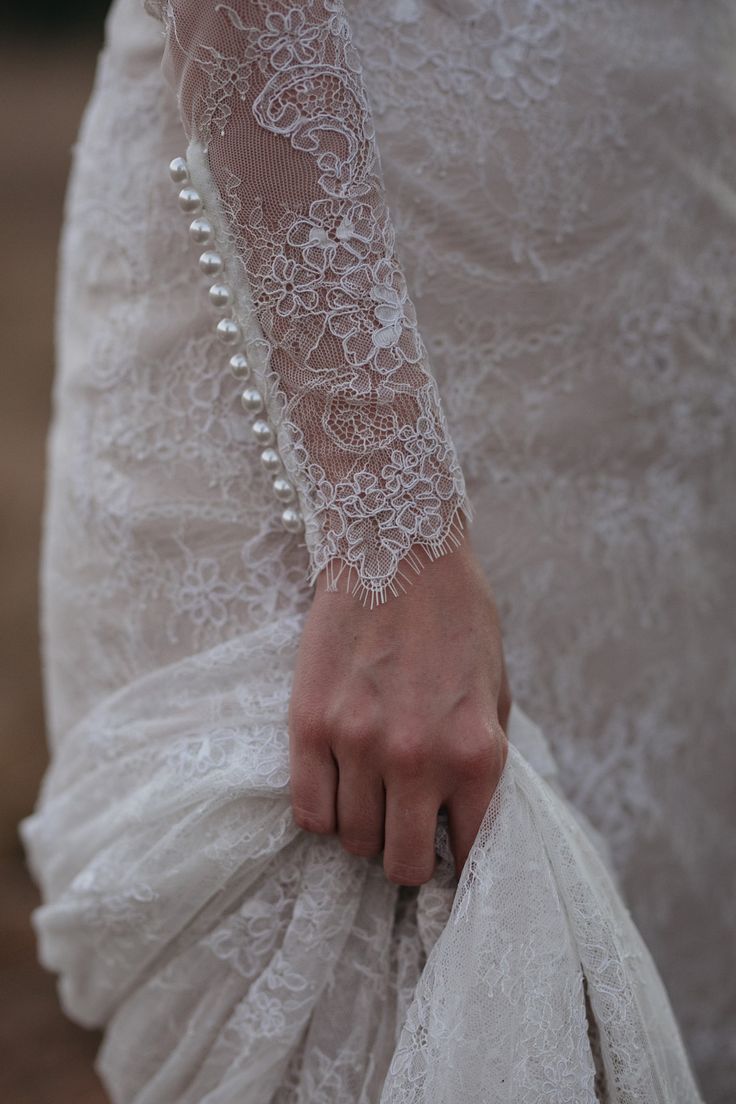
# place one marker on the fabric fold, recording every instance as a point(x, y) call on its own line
point(230, 956)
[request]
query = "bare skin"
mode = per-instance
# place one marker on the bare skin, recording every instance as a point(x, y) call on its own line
point(398, 711)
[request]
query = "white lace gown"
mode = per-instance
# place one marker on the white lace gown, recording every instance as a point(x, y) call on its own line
point(547, 242)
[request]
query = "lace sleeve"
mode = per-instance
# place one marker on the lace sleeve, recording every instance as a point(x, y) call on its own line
point(282, 154)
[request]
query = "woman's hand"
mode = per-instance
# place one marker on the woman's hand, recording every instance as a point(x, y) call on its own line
point(397, 711)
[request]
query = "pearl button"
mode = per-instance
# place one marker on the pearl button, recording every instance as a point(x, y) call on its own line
point(210, 263)
point(283, 489)
point(239, 366)
point(189, 201)
point(252, 400)
point(200, 230)
point(291, 520)
point(228, 331)
point(271, 461)
point(262, 432)
point(220, 296)
point(179, 171)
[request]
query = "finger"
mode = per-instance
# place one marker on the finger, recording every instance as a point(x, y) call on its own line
point(409, 847)
point(360, 808)
point(465, 810)
point(313, 783)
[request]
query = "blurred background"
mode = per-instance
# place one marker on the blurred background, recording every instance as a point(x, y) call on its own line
point(46, 71)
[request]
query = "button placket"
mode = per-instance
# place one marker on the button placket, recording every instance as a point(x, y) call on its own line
point(230, 333)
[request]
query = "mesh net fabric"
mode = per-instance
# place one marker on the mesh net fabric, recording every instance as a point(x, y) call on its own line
point(539, 987)
point(280, 130)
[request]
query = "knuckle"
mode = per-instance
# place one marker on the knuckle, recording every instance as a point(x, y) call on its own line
point(408, 755)
point(408, 874)
point(312, 821)
point(353, 739)
point(363, 847)
point(474, 761)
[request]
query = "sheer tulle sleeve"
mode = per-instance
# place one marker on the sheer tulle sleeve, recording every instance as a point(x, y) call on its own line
point(283, 158)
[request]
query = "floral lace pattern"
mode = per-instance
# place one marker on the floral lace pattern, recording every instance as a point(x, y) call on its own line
point(245, 960)
point(570, 260)
point(273, 94)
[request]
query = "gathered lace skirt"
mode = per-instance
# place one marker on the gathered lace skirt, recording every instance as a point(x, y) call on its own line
point(561, 177)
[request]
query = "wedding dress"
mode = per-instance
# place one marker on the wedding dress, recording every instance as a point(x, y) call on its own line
point(252, 344)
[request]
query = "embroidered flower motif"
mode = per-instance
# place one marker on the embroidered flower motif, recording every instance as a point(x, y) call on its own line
point(645, 341)
point(289, 38)
point(203, 594)
point(369, 550)
point(518, 51)
point(525, 62)
point(385, 337)
point(228, 77)
point(290, 286)
point(419, 510)
point(338, 236)
point(363, 496)
point(266, 1013)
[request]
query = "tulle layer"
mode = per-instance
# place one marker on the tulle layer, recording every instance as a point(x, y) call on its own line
point(231, 957)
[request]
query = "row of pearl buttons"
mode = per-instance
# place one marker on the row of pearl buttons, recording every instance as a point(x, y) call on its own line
point(229, 332)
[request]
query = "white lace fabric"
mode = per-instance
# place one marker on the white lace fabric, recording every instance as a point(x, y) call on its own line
point(559, 174)
point(280, 128)
point(236, 959)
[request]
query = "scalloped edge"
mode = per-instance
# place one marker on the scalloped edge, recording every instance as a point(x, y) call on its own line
point(376, 593)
